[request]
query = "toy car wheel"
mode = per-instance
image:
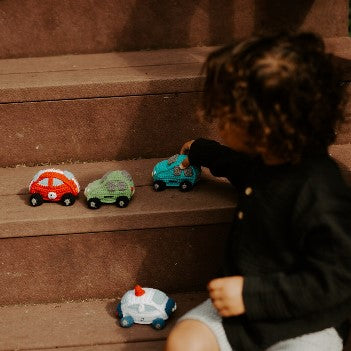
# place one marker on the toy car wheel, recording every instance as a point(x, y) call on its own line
point(159, 185)
point(36, 200)
point(119, 312)
point(126, 322)
point(94, 203)
point(171, 306)
point(185, 186)
point(158, 323)
point(122, 201)
point(68, 199)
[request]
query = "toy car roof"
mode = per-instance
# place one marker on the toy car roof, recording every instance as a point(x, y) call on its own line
point(117, 173)
point(67, 174)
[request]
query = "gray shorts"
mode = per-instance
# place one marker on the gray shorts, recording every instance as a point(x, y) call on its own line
point(325, 340)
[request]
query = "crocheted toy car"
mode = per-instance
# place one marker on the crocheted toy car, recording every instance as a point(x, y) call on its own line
point(145, 306)
point(53, 185)
point(167, 173)
point(114, 187)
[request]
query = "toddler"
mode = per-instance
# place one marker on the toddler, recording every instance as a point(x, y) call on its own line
point(286, 283)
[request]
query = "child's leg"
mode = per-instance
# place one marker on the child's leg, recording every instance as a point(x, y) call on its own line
point(325, 340)
point(191, 335)
point(199, 329)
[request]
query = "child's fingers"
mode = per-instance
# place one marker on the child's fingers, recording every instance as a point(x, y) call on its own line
point(183, 150)
point(215, 284)
point(218, 303)
point(216, 295)
point(186, 147)
point(225, 312)
point(184, 164)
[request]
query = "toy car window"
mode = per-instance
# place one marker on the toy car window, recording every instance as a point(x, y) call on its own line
point(57, 182)
point(149, 308)
point(188, 172)
point(134, 307)
point(172, 159)
point(44, 182)
point(111, 185)
point(68, 174)
point(127, 175)
point(177, 171)
point(159, 297)
point(38, 174)
point(121, 186)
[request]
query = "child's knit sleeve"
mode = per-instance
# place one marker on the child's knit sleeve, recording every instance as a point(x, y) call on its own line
point(322, 232)
point(221, 160)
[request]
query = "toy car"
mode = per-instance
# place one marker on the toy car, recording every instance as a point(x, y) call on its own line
point(167, 173)
point(145, 306)
point(53, 185)
point(114, 187)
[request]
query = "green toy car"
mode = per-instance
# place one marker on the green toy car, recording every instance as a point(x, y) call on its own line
point(114, 187)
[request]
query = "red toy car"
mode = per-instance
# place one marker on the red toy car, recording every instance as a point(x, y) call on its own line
point(53, 185)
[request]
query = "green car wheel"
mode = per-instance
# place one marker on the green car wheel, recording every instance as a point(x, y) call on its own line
point(122, 201)
point(94, 203)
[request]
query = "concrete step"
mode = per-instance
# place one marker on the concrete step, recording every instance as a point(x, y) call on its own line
point(55, 253)
point(99, 107)
point(86, 325)
point(71, 27)
point(107, 106)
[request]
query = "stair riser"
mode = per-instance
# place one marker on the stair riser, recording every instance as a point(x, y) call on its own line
point(105, 265)
point(98, 129)
point(64, 26)
point(104, 129)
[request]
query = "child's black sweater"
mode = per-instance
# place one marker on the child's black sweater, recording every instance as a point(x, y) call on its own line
point(291, 240)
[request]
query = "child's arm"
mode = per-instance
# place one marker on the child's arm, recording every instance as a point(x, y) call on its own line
point(322, 234)
point(221, 160)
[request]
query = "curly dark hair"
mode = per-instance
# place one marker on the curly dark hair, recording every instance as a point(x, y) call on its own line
point(284, 90)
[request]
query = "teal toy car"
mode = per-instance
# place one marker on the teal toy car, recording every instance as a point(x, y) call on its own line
point(167, 173)
point(114, 187)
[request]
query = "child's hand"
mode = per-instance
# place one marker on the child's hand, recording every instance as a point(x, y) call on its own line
point(184, 151)
point(226, 295)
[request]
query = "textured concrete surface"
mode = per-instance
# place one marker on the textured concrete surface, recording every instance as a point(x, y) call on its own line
point(104, 106)
point(64, 26)
point(207, 203)
point(105, 264)
point(81, 326)
point(101, 75)
point(130, 346)
point(117, 74)
point(98, 129)
point(99, 107)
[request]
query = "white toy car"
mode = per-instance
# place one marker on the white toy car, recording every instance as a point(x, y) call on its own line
point(145, 306)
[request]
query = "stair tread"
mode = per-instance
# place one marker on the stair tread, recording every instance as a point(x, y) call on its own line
point(80, 324)
point(113, 74)
point(129, 346)
point(104, 60)
point(101, 75)
point(211, 201)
